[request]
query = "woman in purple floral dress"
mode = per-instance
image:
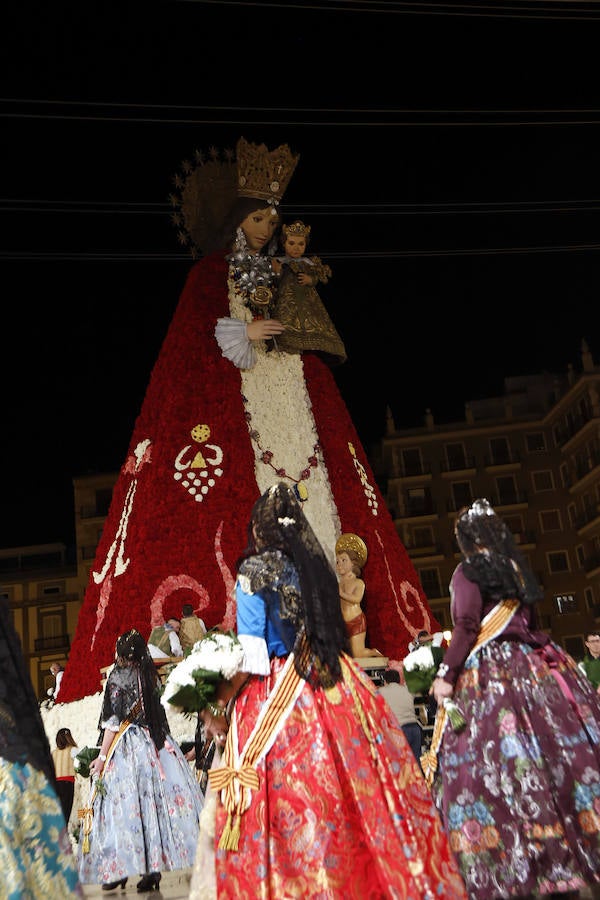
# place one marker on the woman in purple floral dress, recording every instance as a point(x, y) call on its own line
point(518, 787)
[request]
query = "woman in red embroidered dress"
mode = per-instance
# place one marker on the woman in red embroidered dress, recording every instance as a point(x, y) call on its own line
point(319, 792)
point(226, 414)
point(519, 787)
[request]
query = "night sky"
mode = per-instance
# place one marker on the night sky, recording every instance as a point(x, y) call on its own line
point(449, 168)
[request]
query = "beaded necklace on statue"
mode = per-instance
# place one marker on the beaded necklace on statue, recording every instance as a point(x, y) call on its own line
point(266, 456)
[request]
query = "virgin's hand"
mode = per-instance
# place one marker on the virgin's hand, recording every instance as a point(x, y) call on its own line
point(440, 690)
point(263, 329)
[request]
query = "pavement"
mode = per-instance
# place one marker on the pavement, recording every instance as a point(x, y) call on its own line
point(173, 886)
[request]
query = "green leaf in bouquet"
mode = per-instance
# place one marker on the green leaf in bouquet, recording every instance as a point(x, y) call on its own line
point(194, 697)
point(418, 682)
point(82, 760)
point(100, 787)
point(457, 720)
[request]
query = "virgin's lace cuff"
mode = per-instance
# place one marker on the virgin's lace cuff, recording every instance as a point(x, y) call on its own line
point(256, 654)
point(234, 342)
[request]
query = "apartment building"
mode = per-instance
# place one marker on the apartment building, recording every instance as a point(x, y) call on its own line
point(44, 584)
point(534, 453)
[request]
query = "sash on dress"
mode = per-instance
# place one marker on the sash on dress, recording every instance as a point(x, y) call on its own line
point(238, 777)
point(492, 625)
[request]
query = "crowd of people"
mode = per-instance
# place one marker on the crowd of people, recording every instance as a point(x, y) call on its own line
point(317, 770)
point(309, 777)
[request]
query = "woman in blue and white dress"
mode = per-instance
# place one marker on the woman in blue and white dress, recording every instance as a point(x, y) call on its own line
point(145, 803)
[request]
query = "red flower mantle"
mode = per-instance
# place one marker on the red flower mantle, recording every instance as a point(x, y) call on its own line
point(162, 547)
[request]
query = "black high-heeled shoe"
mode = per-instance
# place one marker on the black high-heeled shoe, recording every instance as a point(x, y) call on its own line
point(149, 882)
point(113, 885)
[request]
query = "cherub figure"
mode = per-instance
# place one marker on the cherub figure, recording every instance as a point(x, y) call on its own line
point(350, 558)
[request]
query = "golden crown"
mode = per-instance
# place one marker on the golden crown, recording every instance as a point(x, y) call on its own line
point(298, 228)
point(263, 173)
point(353, 543)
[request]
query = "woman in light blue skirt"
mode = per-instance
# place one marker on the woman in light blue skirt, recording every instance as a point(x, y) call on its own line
point(145, 804)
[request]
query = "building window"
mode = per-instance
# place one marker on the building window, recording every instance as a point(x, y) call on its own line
point(430, 581)
point(52, 624)
point(558, 561)
point(51, 590)
point(515, 526)
point(574, 647)
point(443, 617)
point(456, 457)
point(572, 511)
point(507, 490)
point(564, 475)
point(422, 537)
point(535, 441)
point(103, 498)
point(580, 553)
point(514, 523)
point(588, 594)
point(565, 603)
point(550, 520)
point(462, 494)
point(411, 462)
point(499, 451)
point(419, 501)
point(543, 480)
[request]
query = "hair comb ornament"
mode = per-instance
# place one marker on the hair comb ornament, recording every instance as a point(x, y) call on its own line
point(481, 507)
point(286, 521)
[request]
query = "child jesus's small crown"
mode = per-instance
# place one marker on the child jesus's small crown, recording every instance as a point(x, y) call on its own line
point(298, 228)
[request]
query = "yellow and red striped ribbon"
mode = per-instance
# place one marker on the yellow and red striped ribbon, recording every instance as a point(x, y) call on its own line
point(238, 777)
point(491, 626)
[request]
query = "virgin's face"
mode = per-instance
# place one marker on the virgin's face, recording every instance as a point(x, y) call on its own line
point(259, 227)
point(295, 246)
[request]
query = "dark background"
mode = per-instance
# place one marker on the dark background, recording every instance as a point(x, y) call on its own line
point(450, 165)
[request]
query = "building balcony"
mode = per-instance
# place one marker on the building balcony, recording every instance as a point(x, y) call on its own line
point(456, 467)
point(502, 461)
point(423, 511)
point(591, 565)
point(588, 521)
point(426, 552)
point(56, 642)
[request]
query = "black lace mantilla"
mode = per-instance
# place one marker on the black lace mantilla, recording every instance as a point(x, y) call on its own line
point(274, 571)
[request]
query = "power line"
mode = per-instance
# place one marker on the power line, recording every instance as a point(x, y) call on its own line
point(149, 256)
point(305, 116)
point(477, 207)
point(548, 9)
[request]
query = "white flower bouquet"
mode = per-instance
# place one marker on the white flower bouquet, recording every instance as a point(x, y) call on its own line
point(420, 669)
point(192, 684)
